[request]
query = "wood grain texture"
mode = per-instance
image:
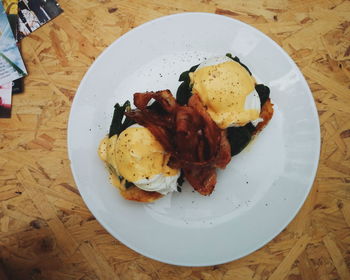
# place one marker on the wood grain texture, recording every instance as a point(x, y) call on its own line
point(46, 231)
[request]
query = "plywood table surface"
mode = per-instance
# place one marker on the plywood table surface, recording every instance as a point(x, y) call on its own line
point(47, 232)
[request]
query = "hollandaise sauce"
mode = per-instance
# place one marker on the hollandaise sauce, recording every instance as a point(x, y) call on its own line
point(223, 89)
point(135, 155)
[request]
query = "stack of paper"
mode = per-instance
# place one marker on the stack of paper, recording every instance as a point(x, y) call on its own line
point(18, 18)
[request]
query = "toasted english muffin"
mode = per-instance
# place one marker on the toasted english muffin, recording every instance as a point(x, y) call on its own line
point(136, 194)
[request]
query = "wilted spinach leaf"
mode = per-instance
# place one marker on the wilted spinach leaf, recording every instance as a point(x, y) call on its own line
point(264, 93)
point(128, 184)
point(119, 121)
point(237, 60)
point(239, 137)
point(184, 91)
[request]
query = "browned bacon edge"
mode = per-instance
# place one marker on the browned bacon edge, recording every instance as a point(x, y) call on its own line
point(266, 114)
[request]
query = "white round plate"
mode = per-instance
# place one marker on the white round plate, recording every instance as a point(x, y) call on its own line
point(258, 193)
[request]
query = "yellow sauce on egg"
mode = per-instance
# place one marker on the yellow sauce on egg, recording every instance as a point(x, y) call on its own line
point(223, 89)
point(135, 155)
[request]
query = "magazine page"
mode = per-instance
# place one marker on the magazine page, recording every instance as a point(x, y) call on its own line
point(34, 13)
point(11, 8)
point(11, 63)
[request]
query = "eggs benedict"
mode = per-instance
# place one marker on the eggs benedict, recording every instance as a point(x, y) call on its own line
point(138, 164)
point(231, 96)
point(228, 92)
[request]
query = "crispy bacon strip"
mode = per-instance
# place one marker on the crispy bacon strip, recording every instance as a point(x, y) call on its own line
point(212, 133)
point(164, 97)
point(223, 157)
point(189, 146)
point(203, 179)
point(195, 142)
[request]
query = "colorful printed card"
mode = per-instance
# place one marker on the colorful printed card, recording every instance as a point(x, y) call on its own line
point(11, 8)
point(11, 63)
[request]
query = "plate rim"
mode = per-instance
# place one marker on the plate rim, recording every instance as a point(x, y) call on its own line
point(91, 207)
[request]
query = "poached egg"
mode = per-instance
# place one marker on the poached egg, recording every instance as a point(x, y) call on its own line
point(136, 156)
point(228, 92)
